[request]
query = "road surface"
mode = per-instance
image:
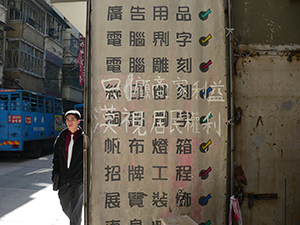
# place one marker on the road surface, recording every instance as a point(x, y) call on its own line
point(26, 195)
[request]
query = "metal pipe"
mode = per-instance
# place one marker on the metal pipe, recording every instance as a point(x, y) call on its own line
point(87, 116)
point(230, 109)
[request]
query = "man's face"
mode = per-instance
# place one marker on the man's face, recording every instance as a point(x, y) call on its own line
point(72, 123)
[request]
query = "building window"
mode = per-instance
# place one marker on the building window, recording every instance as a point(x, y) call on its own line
point(74, 44)
point(23, 56)
point(70, 76)
point(2, 2)
point(12, 55)
point(34, 15)
point(52, 76)
point(29, 12)
point(14, 10)
point(54, 28)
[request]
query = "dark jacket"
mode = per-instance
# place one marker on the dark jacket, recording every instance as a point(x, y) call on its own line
point(74, 174)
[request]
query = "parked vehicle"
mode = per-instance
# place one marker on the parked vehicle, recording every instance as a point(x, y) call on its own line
point(29, 121)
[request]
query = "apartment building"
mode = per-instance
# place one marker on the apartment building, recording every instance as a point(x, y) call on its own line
point(40, 42)
point(3, 28)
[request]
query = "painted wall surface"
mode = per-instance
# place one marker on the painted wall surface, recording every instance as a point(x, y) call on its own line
point(272, 22)
point(267, 142)
point(158, 112)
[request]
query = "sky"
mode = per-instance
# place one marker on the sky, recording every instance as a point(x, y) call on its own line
point(75, 12)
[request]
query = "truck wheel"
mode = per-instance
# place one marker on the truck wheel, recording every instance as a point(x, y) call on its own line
point(32, 149)
point(37, 149)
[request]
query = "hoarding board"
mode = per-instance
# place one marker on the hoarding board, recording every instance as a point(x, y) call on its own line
point(158, 111)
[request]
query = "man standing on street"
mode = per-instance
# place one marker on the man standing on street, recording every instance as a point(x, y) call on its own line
point(68, 167)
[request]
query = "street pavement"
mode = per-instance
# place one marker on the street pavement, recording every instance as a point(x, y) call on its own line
point(26, 195)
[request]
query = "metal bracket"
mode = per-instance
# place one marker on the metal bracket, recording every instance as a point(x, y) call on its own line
point(265, 196)
point(253, 197)
point(229, 31)
point(230, 122)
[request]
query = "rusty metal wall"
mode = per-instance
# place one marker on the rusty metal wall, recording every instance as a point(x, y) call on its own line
point(267, 125)
point(266, 96)
point(272, 22)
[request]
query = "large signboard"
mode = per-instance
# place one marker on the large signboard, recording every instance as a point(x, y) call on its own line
point(158, 111)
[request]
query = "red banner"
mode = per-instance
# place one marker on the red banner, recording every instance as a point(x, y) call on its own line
point(80, 60)
point(80, 63)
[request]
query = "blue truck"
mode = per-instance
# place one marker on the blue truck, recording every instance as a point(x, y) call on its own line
point(29, 122)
